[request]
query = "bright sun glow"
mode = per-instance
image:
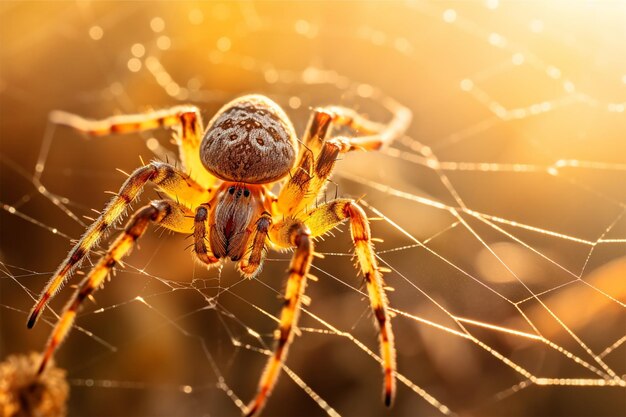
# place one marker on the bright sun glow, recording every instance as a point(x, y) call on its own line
point(499, 218)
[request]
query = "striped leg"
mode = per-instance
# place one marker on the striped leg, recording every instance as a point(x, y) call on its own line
point(185, 120)
point(286, 234)
point(303, 187)
point(317, 130)
point(323, 219)
point(316, 160)
point(304, 181)
point(250, 265)
point(203, 254)
point(165, 176)
point(163, 213)
point(372, 135)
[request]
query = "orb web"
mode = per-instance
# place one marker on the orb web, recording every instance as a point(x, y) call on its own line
point(500, 212)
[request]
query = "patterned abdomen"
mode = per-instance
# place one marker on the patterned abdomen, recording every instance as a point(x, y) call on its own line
point(249, 140)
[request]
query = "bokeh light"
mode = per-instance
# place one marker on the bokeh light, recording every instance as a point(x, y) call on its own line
point(501, 211)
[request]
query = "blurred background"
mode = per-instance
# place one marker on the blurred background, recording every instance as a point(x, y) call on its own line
point(503, 206)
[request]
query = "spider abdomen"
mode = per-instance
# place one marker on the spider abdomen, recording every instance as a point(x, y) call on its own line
point(249, 140)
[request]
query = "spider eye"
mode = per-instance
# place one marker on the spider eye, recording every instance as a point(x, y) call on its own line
point(246, 193)
point(231, 190)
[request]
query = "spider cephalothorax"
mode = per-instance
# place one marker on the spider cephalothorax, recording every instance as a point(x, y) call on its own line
point(236, 208)
point(223, 197)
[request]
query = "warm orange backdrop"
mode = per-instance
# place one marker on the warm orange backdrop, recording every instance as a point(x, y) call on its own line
point(511, 98)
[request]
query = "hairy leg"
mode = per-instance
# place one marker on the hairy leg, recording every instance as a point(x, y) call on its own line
point(250, 264)
point(370, 135)
point(165, 176)
point(164, 213)
point(286, 234)
point(317, 156)
point(321, 220)
point(303, 187)
point(200, 235)
point(185, 120)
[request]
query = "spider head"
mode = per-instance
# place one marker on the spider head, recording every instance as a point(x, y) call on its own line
point(250, 140)
point(236, 207)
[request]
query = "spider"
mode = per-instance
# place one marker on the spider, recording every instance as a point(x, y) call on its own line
point(223, 196)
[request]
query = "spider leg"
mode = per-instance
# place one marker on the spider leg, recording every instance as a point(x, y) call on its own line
point(164, 213)
point(372, 135)
point(321, 220)
point(165, 176)
point(185, 120)
point(311, 177)
point(317, 157)
point(250, 264)
point(286, 234)
point(203, 254)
